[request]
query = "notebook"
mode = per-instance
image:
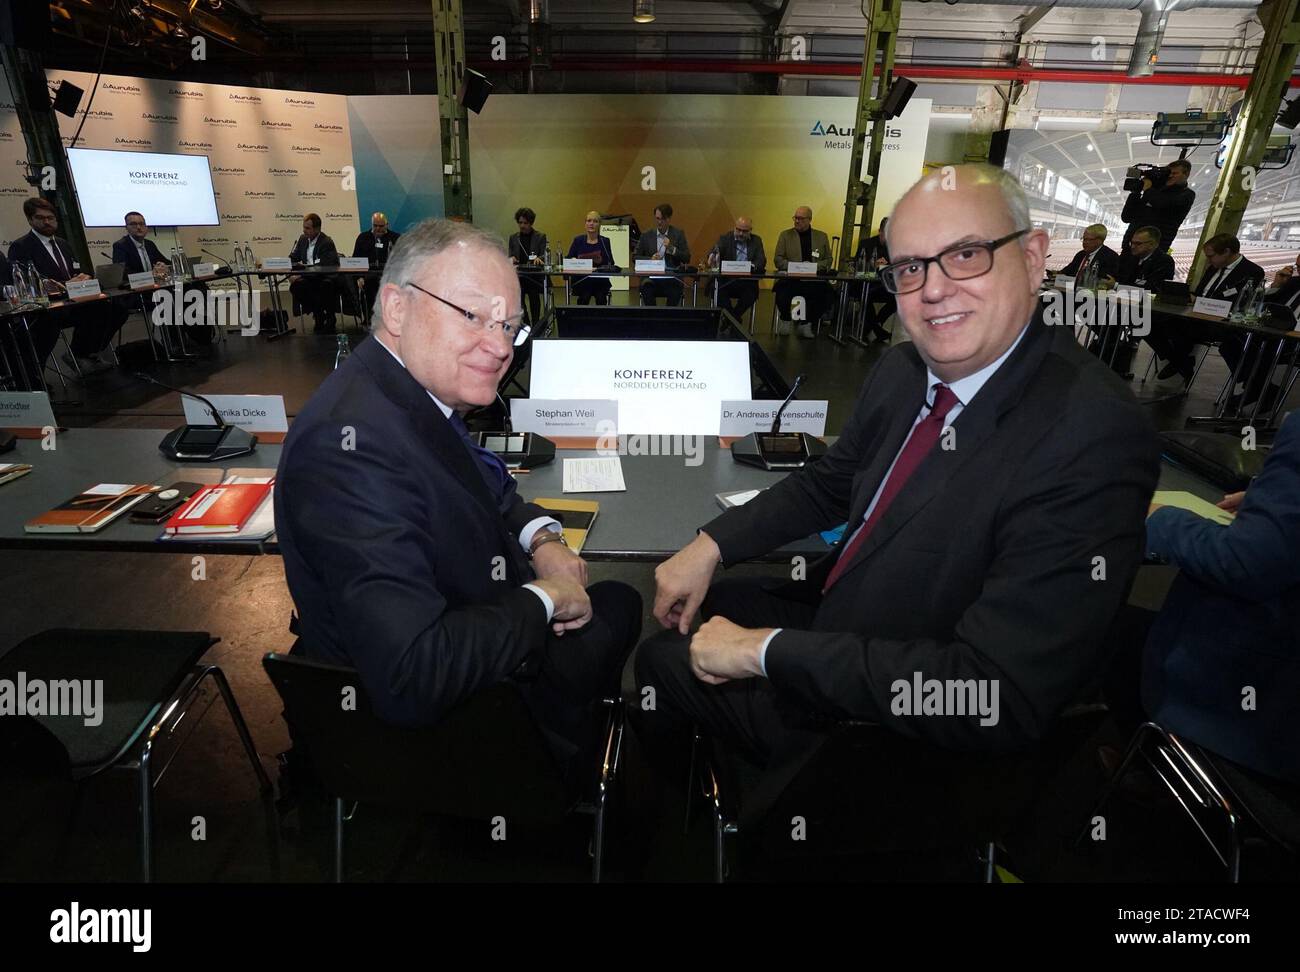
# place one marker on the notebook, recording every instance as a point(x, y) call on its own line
point(91, 510)
point(576, 518)
point(223, 509)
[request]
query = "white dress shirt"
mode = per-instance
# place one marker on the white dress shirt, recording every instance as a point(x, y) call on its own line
point(55, 254)
point(311, 253)
point(530, 528)
point(1219, 277)
point(965, 390)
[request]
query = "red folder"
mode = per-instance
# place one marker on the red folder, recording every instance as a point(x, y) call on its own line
point(219, 509)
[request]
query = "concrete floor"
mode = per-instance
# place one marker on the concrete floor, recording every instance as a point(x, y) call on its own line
point(245, 602)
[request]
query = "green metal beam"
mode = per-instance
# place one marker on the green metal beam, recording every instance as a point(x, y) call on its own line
point(882, 32)
point(1278, 50)
point(25, 72)
point(453, 119)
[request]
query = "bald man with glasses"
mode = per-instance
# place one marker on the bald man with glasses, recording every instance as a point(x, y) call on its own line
point(408, 551)
point(987, 468)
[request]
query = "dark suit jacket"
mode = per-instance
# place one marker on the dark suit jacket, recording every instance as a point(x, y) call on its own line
point(124, 251)
point(365, 247)
point(982, 567)
point(1229, 621)
point(726, 247)
point(327, 255)
point(580, 245)
point(1155, 270)
point(536, 247)
point(29, 249)
point(398, 558)
point(873, 248)
point(1286, 293)
point(1164, 208)
point(648, 246)
point(1107, 262)
point(1228, 287)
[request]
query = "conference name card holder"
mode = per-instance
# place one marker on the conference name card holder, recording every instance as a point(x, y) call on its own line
point(566, 423)
point(279, 264)
point(204, 271)
point(261, 414)
point(1063, 281)
point(27, 415)
point(799, 268)
point(572, 265)
point(82, 289)
point(144, 280)
point(354, 263)
point(651, 266)
point(775, 435)
point(1211, 307)
point(736, 266)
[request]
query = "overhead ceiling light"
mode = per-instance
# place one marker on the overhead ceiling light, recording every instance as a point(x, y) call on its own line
point(643, 11)
point(1089, 146)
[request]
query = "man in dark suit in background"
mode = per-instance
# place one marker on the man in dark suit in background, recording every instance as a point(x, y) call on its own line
point(527, 248)
point(94, 324)
point(407, 548)
point(137, 253)
point(1226, 274)
point(667, 243)
point(315, 294)
point(742, 243)
point(1145, 265)
point(802, 244)
point(376, 245)
point(1163, 206)
point(1093, 253)
point(972, 545)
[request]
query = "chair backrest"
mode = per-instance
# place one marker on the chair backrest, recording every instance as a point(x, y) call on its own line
point(868, 790)
point(485, 758)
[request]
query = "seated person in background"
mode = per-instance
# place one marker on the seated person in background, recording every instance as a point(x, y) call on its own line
point(410, 554)
point(802, 244)
point(94, 324)
point(1226, 274)
point(1093, 253)
point(742, 243)
point(594, 247)
point(527, 248)
point(316, 294)
point(138, 254)
point(966, 563)
point(667, 243)
point(376, 245)
point(873, 253)
point(1146, 266)
point(1220, 663)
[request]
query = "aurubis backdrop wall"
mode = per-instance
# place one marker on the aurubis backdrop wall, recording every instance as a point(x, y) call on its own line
point(713, 157)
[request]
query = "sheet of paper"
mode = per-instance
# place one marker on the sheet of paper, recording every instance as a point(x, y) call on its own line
point(604, 475)
point(1194, 504)
point(107, 489)
point(740, 499)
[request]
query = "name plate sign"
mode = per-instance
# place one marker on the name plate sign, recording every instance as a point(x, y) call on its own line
point(1215, 308)
point(277, 263)
point(141, 281)
point(744, 417)
point(81, 289)
point(577, 266)
point(354, 263)
point(561, 417)
point(737, 266)
point(202, 270)
point(650, 266)
point(256, 413)
point(25, 410)
point(797, 268)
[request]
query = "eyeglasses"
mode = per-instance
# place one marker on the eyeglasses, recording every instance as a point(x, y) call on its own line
point(961, 262)
point(515, 330)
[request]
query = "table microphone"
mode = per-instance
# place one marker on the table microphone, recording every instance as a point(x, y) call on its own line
point(219, 272)
point(775, 450)
point(521, 450)
point(202, 443)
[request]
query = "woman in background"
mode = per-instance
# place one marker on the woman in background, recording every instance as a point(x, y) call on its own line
point(594, 247)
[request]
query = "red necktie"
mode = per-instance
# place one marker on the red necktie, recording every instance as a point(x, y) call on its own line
point(919, 444)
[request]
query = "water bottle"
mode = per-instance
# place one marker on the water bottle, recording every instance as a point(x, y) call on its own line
point(548, 257)
point(342, 352)
point(42, 293)
point(250, 258)
point(21, 284)
point(185, 264)
point(1242, 304)
point(1256, 311)
point(237, 263)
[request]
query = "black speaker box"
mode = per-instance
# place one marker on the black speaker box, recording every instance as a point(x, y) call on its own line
point(474, 91)
point(896, 98)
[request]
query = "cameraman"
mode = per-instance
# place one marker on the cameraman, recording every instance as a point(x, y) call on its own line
point(1163, 204)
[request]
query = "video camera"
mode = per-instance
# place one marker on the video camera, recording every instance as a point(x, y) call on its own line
point(1158, 174)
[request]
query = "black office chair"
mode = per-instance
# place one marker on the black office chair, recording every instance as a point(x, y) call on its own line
point(506, 770)
point(151, 680)
point(869, 791)
point(1228, 804)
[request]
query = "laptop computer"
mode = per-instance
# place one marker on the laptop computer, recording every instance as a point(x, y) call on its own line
point(1175, 291)
point(110, 275)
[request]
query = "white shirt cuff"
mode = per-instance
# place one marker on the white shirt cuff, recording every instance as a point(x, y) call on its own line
point(532, 526)
point(762, 652)
point(546, 600)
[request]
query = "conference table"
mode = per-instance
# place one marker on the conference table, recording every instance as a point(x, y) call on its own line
point(666, 500)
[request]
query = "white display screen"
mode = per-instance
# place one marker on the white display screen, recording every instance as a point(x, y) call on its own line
point(662, 387)
point(170, 190)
